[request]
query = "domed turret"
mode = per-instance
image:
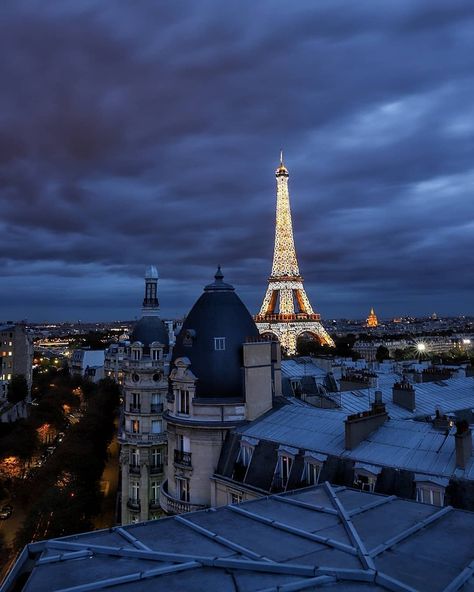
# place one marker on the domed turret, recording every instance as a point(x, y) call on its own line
point(150, 329)
point(211, 338)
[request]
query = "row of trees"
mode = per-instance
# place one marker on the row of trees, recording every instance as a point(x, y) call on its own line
point(65, 492)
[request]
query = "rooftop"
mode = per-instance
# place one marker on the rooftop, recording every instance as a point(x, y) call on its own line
point(450, 395)
point(335, 537)
point(410, 445)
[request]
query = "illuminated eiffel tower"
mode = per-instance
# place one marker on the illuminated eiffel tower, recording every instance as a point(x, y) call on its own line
point(286, 311)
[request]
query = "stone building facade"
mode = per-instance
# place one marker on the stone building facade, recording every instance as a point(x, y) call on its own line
point(142, 432)
point(222, 375)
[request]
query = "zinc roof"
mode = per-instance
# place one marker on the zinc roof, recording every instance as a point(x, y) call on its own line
point(324, 536)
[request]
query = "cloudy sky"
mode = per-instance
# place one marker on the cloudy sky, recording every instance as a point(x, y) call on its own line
point(136, 133)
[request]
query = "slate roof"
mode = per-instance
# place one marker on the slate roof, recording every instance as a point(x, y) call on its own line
point(218, 312)
point(149, 329)
point(410, 445)
point(451, 395)
point(326, 537)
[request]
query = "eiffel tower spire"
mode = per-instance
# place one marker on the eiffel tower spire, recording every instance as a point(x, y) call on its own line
point(286, 311)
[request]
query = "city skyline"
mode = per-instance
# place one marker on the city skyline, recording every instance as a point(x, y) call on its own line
point(136, 136)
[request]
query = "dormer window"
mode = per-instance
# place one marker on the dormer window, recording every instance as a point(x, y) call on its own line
point(219, 343)
point(245, 455)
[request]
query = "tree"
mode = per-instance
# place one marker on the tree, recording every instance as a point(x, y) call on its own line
point(382, 353)
point(17, 389)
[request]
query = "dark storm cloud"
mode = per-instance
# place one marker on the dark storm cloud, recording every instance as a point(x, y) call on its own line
point(142, 133)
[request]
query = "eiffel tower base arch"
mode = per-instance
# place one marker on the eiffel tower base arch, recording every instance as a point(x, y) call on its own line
point(287, 333)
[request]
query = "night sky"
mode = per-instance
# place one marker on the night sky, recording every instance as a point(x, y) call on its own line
point(137, 133)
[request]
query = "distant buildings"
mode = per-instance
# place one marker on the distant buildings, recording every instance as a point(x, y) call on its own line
point(88, 364)
point(16, 358)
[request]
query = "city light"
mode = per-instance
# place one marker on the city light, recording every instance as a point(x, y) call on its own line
point(421, 347)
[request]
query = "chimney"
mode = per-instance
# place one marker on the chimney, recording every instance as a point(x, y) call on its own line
point(463, 440)
point(403, 394)
point(361, 425)
point(262, 375)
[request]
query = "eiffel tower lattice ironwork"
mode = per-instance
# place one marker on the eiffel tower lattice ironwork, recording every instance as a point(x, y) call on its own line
point(286, 311)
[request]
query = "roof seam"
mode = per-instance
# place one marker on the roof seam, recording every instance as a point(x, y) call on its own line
point(409, 531)
point(296, 531)
point(363, 554)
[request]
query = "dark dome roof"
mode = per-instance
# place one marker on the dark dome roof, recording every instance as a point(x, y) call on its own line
point(219, 312)
point(149, 329)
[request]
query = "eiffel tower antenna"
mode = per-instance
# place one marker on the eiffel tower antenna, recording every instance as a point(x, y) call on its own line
point(286, 311)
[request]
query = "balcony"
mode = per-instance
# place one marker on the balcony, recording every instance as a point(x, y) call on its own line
point(156, 408)
point(182, 458)
point(133, 504)
point(134, 469)
point(155, 504)
point(134, 409)
point(173, 506)
point(131, 438)
point(156, 469)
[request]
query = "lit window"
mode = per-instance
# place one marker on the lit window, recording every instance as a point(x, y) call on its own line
point(135, 426)
point(10, 353)
point(219, 343)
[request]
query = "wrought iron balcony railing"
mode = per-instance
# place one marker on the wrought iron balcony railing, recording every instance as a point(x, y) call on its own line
point(182, 458)
point(133, 504)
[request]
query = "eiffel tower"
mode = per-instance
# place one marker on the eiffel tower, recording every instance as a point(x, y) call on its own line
point(286, 312)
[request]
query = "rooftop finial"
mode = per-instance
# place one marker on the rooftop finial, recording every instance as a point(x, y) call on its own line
point(219, 275)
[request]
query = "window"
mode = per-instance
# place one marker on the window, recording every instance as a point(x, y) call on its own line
point(156, 457)
point(134, 457)
point(136, 354)
point(312, 472)
point(183, 443)
point(155, 354)
point(182, 489)
point(135, 492)
point(135, 426)
point(235, 497)
point(156, 403)
point(427, 494)
point(245, 455)
point(285, 468)
point(219, 343)
point(365, 482)
point(183, 402)
point(135, 402)
point(156, 426)
point(155, 491)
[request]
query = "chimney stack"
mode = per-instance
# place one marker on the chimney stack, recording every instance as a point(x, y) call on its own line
point(403, 394)
point(361, 425)
point(463, 440)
